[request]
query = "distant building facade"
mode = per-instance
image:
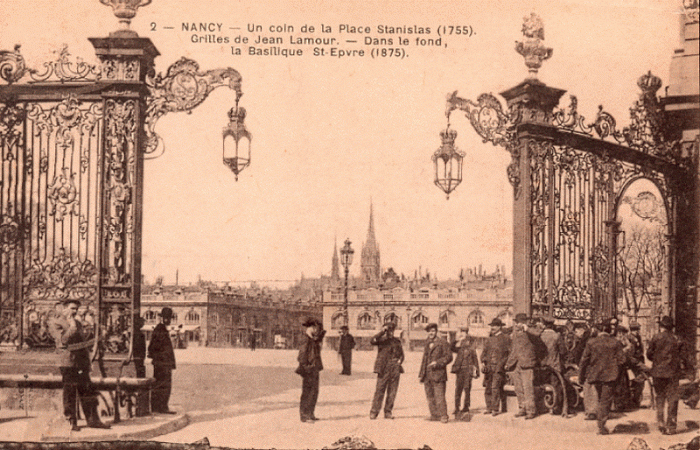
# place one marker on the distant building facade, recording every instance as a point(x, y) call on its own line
point(413, 309)
point(226, 318)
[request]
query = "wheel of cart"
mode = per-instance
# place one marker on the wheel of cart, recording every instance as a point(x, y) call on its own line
point(552, 390)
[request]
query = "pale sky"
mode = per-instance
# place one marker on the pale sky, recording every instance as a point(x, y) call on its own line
point(330, 134)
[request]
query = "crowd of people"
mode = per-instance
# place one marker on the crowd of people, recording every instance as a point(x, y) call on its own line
point(605, 364)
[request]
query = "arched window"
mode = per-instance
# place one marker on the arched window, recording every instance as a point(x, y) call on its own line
point(419, 321)
point(392, 317)
point(174, 319)
point(446, 318)
point(338, 320)
point(215, 317)
point(476, 318)
point(365, 321)
point(192, 317)
point(150, 316)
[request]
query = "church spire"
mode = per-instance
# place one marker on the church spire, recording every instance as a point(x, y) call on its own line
point(335, 269)
point(371, 268)
point(370, 231)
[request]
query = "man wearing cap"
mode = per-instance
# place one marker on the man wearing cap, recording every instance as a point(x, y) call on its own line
point(669, 359)
point(388, 368)
point(74, 345)
point(310, 365)
point(522, 361)
point(160, 350)
point(600, 366)
point(493, 361)
point(347, 343)
point(433, 373)
point(465, 367)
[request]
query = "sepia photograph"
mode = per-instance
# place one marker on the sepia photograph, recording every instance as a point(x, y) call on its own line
point(378, 224)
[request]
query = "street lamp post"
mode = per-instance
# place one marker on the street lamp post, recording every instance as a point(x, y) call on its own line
point(346, 259)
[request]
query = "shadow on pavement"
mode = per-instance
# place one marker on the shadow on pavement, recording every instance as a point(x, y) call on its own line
point(631, 428)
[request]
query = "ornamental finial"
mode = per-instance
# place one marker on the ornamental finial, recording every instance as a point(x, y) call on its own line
point(531, 48)
point(125, 10)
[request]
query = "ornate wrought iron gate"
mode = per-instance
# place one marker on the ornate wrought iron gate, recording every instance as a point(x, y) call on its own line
point(569, 176)
point(70, 200)
point(72, 140)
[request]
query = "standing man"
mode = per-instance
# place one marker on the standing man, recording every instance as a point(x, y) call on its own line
point(522, 362)
point(600, 366)
point(637, 363)
point(160, 350)
point(388, 369)
point(465, 367)
point(310, 365)
point(433, 373)
point(74, 344)
point(493, 360)
point(669, 360)
point(347, 343)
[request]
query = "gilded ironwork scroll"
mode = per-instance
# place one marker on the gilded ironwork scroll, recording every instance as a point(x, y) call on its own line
point(183, 88)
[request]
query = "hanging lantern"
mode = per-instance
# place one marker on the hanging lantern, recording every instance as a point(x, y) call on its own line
point(236, 141)
point(448, 162)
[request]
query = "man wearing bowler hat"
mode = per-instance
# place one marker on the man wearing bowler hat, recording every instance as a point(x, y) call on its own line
point(74, 345)
point(493, 361)
point(160, 350)
point(669, 359)
point(388, 369)
point(465, 367)
point(347, 343)
point(433, 372)
point(310, 365)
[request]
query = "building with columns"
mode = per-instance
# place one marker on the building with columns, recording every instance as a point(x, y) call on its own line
point(226, 317)
point(412, 309)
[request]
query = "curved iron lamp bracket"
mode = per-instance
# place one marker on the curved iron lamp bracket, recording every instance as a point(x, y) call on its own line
point(486, 116)
point(183, 88)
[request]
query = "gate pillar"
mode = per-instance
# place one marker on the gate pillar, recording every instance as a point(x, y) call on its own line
point(125, 61)
point(531, 102)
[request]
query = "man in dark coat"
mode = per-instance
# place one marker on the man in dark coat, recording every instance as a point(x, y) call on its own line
point(465, 367)
point(310, 365)
point(600, 366)
point(637, 364)
point(433, 373)
point(493, 361)
point(160, 350)
point(522, 360)
point(347, 343)
point(669, 359)
point(74, 344)
point(388, 369)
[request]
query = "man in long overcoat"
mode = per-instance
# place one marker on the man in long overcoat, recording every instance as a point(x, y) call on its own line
point(347, 343)
point(73, 344)
point(669, 359)
point(600, 366)
point(522, 360)
point(433, 373)
point(161, 352)
point(465, 367)
point(310, 365)
point(388, 368)
point(493, 361)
